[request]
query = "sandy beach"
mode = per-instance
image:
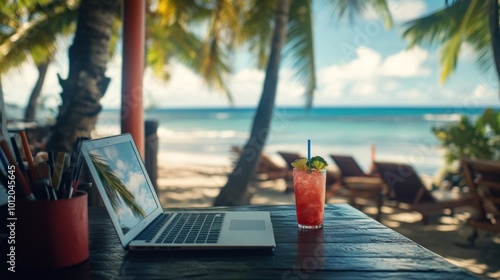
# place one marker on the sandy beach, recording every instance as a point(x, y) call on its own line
point(183, 185)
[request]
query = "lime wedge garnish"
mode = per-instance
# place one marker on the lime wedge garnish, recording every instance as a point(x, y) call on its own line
point(317, 163)
point(301, 164)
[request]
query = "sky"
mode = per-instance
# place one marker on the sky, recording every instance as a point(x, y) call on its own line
point(360, 64)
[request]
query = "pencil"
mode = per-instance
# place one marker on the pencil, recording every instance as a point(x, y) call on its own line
point(25, 187)
point(58, 169)
point(29, 156)
point(16, 154)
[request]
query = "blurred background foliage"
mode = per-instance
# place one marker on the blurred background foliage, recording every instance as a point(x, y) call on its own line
point(473, 138)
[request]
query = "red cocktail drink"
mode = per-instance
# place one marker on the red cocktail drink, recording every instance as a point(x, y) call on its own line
point(309, 197)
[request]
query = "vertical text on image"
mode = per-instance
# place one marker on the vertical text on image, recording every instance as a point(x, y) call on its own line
point(11, 218)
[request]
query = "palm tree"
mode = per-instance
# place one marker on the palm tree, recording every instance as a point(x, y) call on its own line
point(234, 192)
point(30, 29)
point(86, 82)
point(173, 31)
point(292, 19)
point(30, 110)
point(168, 35)
point(461, 21)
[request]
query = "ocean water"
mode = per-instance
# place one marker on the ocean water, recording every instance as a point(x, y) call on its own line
point(205, 136)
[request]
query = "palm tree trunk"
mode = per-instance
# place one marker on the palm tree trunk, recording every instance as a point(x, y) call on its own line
point(495, 35)
point(235, 192)
point(30, 111)
point(86, 82)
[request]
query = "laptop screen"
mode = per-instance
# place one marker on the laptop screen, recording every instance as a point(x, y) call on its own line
point(124, 182)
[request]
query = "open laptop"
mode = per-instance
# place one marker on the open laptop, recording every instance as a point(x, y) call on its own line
point(139, 219)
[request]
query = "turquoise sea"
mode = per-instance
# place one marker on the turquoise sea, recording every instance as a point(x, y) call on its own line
point(206, 135)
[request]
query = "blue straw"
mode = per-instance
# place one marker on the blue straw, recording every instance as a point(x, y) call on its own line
point(308, 149)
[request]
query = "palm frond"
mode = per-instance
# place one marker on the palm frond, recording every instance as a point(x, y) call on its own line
point(258, 27)
point(300, 46)
point(382, 9)
point(347, 10)
point(451, 47)
point(438, 26)
point(186, 47)
point(479, 38)
point(158, 49)
point(450, 27)
point(115, 190)
point(171, 11)
point(36, 37)
point(171, 32)
point(224, 28)
point(156, 59)
point(168, 35)
point(215, 64)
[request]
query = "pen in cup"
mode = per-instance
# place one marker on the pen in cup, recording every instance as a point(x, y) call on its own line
point(20, 177)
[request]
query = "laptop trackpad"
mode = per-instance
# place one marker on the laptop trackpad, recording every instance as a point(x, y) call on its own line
point(256, 225)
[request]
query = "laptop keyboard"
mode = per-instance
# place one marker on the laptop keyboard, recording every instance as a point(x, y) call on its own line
point(189, 228)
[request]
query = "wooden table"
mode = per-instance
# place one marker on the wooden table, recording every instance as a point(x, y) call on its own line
point(350, 246)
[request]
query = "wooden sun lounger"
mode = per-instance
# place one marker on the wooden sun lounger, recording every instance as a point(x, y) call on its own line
point(407, 190)
point(483, 179)
point(361, 185)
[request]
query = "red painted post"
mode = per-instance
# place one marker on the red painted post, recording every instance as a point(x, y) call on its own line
point(132, 111)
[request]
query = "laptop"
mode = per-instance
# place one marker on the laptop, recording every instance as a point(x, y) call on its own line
point(139, 219)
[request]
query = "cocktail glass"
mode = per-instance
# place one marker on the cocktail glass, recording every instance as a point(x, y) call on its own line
point(309, 187)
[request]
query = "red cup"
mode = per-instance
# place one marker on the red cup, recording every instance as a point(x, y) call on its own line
point(52, 233)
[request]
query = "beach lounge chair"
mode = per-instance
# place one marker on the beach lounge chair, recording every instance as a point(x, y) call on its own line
point(407, 191)
point(348, 167)
point(483, 180)
point(266, 168)
point(361, 185)
point(289, 157)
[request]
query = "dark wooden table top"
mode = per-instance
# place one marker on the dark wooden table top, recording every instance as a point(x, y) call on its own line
point(351, 245)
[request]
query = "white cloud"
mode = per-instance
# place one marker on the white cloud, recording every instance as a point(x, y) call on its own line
point(483, 93)
point(363, 89)
point(370, 78)
point(185, 88)
point(390, 86)
point(407, 63)
point(289, 92)
point(369, 64)
point(410, 95)
point(135, 180)
point(331, 89)
point(121, 168)
point(246, 86)
point(364, 66)
point(248, 77)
